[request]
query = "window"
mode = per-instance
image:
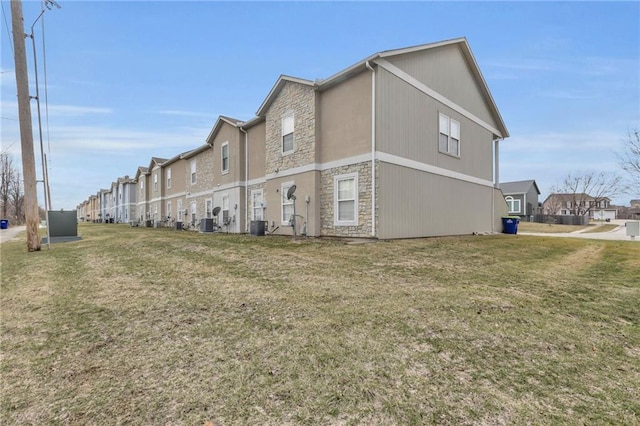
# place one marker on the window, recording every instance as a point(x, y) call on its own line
point(169, 210)
point(449, 141)
point(207, 207)
point(513, 204)
point(141, 186)
point(155, 181)
point(345, 190)
point(193, 171)
point(256, 205)
point(168, 178)
point(193, 213)
point(287, 205)
point(287, 133)
point(225, 209)
point(155, 212)
point(225, 157)
point(179, 212)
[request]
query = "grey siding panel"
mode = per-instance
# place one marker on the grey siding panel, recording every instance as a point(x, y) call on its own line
point(446, 70)
point(407, 126)
point(419, 204)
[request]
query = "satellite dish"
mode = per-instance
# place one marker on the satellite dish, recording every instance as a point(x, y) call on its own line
point(216, 211)
point(290, 192)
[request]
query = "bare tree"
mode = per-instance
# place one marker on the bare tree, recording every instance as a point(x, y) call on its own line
point(629, 160)
point(582, 191)
point(6, 177)
point(17, 197)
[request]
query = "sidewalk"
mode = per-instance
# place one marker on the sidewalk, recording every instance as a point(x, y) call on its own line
point(11, 232)
point(617, 234)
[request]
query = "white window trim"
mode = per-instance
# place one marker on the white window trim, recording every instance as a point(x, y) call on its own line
point(284, 201)
point(225, 171)
point(180, 210)
point(282, 134)
point(511, 203)
point(194, 175)
point(168, 178)
point(169, 212)
point(155, 182)
point(449, 121)
point(336, 221)
point(208, 212)
point(254, 207)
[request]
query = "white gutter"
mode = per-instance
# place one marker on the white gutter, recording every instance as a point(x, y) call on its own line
point(246, 179)
point(373, 148)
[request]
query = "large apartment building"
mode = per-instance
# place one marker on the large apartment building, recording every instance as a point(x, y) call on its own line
point(404, 143)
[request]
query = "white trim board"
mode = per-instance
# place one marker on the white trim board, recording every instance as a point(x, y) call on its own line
point(435, 95)
point(416, 165)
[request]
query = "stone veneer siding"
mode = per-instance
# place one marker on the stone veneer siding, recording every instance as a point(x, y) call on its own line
point(364, 202)
point(299, 99)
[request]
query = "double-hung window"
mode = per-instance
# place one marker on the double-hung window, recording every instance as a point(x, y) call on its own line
point(193, 213)
point(155, 182)
point(168, 209)
point(287, 133)
point(287, 205)
point(179, 212)
point(449, 136)
point(168, 178)
point(141, 186)
point(193, 171)
point(345, 190)
point(225, 157)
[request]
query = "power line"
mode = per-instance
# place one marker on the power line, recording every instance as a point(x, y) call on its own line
point(6, 25)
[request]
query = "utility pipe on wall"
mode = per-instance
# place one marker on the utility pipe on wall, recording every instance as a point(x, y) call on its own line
point(246, 177)
point(373, 148)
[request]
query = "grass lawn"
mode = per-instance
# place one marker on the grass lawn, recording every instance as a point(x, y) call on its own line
point(154, 326)
point(548, 228)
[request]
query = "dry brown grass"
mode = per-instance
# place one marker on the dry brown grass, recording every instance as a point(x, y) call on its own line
point(152, 326)
point(548, 228)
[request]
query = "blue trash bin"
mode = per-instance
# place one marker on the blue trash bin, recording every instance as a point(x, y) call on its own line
point(510, 225)
point(4, 224)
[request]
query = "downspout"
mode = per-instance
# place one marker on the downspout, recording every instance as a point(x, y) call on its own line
point(373, 148)
point(496, 181)
point(246, 179)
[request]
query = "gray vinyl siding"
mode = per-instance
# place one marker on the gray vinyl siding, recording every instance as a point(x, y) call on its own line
point(413, 203)
point(407, 126)
point(447, 71)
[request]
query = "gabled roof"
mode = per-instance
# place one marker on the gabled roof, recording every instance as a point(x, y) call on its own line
point(282, 80)
point(250, 123)
point(518, 187)
point(219, 123)
point(141, 171)
point(156, 161)
point(364, 64)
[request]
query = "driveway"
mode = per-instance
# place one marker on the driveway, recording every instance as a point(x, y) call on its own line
point(11, 232)
point(617, 234)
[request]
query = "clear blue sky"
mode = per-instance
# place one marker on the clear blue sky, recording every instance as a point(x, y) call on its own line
point(132, 80)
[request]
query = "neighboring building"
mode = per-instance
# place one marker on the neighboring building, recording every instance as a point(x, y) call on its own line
point(174, 185)
point(199, 184)
point(521, 197)
point(398, 145)
point(142, 195)
point(579, 204)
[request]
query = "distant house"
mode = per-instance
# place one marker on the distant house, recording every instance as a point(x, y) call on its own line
point(521, 197)
point(579, 204)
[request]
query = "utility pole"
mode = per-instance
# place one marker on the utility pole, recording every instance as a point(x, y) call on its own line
point(26, 129)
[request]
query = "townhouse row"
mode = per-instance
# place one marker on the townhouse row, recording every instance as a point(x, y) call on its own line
point(404, 143)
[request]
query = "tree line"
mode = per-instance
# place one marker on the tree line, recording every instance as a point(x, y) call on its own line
point(11, 191)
